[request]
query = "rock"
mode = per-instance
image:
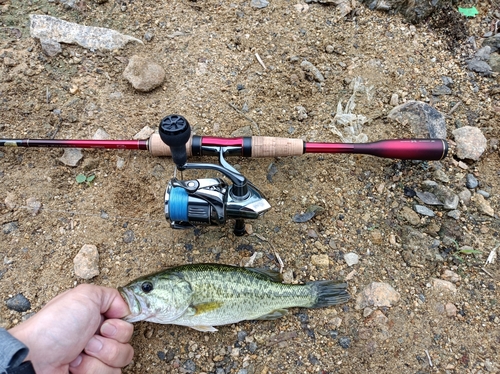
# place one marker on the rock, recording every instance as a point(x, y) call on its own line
point(494, 62)
point(145, 133)
point(71, 156)
point(100, 134)
point(19, 303)
point(144, 74)
point(417, 247)
point(351, 258)
point(377, 318)
point(479, 66)
point(428, 198)
point(120, 162)
point(409, 215)
point(320, 261)
point(450, 276)
point(345, 342)
point(451, 310)
point(420, 209)
point(465, 196)
point(440, 175)
point(50, 28)
point(128, 236)
point(443, 285)
point(493, 42)
point(441, 90)
point(312, 70)
point(483, 193)
point(33, 206)
point(50, 47)
point(425, 121)
point(471, 143)
point(9, 227)
point(10, 201)
point(455, 214)
point(243, 131)
point(86, 262)
point(378, 295)
point(471, 181)
point(394, 99)
point(482, 205)
point(376, 236)
point(483, 53)
point(259, 4)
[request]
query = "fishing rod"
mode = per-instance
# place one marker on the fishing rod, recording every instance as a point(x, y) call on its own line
point(211, 201)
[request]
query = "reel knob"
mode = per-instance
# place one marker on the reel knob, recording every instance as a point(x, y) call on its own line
point(175, 132)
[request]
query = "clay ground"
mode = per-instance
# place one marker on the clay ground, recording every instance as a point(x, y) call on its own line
point(208, 49)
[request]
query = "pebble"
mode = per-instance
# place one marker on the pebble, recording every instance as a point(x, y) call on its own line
point(394, 99)
point(440, 175)
point(312, 70)
point(145, 133)
point(50, 47)
point(450, 276)
point(494, 62)
point(120, 162)
point(408, 214)
point(100, 134)
point(18, 303)
point(483, 53)
point(128, 236)
point(482, 205)
point(33, 206)
point(455, 214)
point(351, 258)
point(10, 201)
point(451, 310)
point(441, 90)
point(420, 209)
point(377, 294)
point(471, 143)
point(144, 74)
point(259, 4)
point(320, 261)
point(465, 196)
point(443, 285)
point(425, 121)
point(71, 156)
point(428, 198)
point(189, 366)
point(471, 181)
point(345, 342)
point(86, 262)
point(10, 227)
point(479, 66)
point(483, 193)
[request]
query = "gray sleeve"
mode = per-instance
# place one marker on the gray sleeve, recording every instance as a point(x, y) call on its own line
point(12, 351)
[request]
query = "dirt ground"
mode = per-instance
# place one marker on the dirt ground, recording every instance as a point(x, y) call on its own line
point(208, 49)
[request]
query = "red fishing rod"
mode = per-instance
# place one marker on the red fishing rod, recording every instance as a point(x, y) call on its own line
point(211, 201)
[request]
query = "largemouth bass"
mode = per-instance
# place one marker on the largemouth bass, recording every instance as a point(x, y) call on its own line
point(201, 296)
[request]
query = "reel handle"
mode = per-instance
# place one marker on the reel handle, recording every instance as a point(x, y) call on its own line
point(175, 132)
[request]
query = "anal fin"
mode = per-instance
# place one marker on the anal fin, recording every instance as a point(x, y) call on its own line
point(275, 314)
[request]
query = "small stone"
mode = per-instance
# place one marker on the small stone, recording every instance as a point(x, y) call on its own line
point(320, 261)
point(423, 210)
point(128, 236)
point(443, 285)
point(100, 134)
point(377, 294)
point(10, 201)
point(394, 100)
point(259, 4)
point(451, 310)
point(312, 70)
point(450, 276)
point(471, 143)
point(440, 175)
point(161, 355)
point(351, 258)
point(329, 49)
point(18, 303)
point(428, 198)
point(345, 342)
point(409, 215)
point(465, 196)
point(120, 162)
point(144, 74)
point(241, 335)
point(377, 318)
point(425, 120)
point(483, 53)
point(376, 236)
point(482, 205)
point(479, 66)
point(367, 311)
point(33, 206)
point(441, 90)
point(149, 35)
point(9, 227)
point(471, 181)
point(71, 156)
point(483, 193)
point(51, 47)
point(86, 262)
point(145, 133)
point(455, 214)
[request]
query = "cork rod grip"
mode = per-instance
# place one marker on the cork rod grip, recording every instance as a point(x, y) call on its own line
point(158, 148)
point(267, 146)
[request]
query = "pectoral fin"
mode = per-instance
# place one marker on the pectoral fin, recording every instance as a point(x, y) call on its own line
point(206, 307)
point(275, 314)
point(204, 328)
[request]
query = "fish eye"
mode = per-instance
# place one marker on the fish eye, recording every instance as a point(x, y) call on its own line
point(147, 287)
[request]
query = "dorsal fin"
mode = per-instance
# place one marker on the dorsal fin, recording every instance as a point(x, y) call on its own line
point(273, 275)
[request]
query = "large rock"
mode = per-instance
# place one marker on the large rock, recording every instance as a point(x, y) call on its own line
point(471, 143)
point(425, 121)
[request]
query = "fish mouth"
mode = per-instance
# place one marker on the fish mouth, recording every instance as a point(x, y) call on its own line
point(134, 305)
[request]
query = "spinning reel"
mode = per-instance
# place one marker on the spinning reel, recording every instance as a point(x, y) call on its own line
point(206, 201)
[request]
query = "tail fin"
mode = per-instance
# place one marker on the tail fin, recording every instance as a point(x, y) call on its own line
point(329, 293)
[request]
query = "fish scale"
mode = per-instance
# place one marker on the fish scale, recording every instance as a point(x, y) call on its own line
point(205, 295)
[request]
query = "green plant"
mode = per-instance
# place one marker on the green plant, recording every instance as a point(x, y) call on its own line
point(82, 178)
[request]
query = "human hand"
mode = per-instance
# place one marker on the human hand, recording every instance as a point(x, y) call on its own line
point(79, 331)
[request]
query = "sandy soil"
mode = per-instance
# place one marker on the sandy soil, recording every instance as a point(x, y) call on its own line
point(208, 50)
